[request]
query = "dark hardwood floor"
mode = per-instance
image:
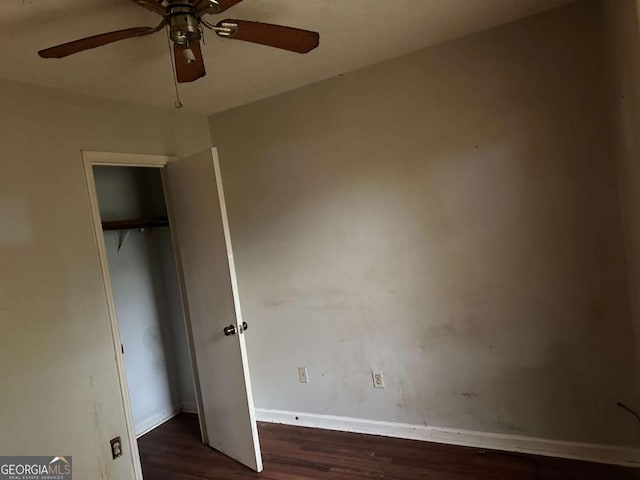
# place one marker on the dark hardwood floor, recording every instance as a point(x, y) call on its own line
point(173, 451)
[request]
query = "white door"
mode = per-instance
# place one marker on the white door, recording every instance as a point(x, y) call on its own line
point(198, 219)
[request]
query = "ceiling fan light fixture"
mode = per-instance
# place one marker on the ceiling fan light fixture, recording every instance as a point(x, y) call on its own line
point(189, 55)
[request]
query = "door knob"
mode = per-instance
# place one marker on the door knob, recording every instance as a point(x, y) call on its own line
point(244, 326)
point(230, 330)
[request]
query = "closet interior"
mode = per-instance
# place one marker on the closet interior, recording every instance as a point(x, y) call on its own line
point(144, 280)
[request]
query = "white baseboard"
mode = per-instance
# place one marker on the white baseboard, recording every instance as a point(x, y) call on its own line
point(492, 441)
point(154, 422)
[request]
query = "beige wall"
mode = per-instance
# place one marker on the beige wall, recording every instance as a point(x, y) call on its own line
point(450, 217)
point(623, 42)
point(59, 392)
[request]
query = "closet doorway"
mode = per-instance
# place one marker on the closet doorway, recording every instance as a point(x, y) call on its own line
point(165, 252)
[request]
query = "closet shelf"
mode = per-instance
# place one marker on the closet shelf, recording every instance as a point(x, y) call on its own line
point(134, 224)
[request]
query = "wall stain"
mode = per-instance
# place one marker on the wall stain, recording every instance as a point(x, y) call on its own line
point(97, 415)
point(512, 428)
point(274, 303)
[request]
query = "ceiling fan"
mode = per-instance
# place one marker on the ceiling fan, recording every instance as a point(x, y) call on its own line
point(185, 19)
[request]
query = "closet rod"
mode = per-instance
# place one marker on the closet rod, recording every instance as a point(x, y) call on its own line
point(135, 224)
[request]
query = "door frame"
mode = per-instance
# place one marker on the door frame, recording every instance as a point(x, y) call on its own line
point(110, 159)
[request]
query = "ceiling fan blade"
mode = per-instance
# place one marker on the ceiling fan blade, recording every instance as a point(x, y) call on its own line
point(87, 43)
point(185, 71)
point(215, 6)
point(287, 38)
point(153, 5)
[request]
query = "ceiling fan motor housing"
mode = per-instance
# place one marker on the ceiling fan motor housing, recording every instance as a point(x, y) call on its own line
point(184, 24)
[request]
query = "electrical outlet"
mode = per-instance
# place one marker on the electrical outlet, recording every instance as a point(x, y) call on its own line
point(116, 447)
point(303, 375)
point(378, 379)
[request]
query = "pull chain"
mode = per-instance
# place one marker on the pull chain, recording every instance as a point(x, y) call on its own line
point(178, 103)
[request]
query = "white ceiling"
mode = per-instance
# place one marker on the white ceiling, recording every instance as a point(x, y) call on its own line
point(353, 33)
